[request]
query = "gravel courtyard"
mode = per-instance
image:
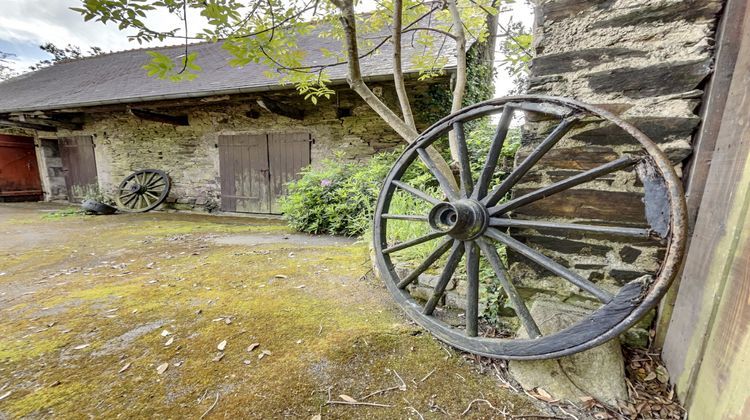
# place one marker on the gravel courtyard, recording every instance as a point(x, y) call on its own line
point(176, 315)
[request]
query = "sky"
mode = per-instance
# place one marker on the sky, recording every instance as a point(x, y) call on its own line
point(25, 24)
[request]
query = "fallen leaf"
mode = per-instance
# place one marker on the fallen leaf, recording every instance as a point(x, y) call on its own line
point(228, 321)
point(218, 357)
point(81, 346)
point(124, 368)
point(302, 286)
point(165, 333)
point(650, 377)
point(247, 361)
point(169, 342)
point(178, 364)
point(51, 324)
point(6, 395)
point(263, 354)
point(222, 345)
point(54, 384)
point(347, 398)
point(281, 276)
point(299, 341)
point(252, 347)
point(162, 368)
point(315, 417)
point(543, 395)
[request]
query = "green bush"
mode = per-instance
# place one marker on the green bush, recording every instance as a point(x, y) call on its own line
point(336, 197)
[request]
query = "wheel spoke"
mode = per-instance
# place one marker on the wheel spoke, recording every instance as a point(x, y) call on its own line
point(436, 254)
point(563, 185)
point(534, 224)
point(412, 217)
point(480, 190)
point(530, 161)
point(515, 298)
point(416, 193)
point(472, 288)
point(145, 198)
point(154, 196)
point(445, 184)
point(454, 258)
point(130, 200)
point(464, 164)
point(549, 264)
point(413, 242)
point(155, 179)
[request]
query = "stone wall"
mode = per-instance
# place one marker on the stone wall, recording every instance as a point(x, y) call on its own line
point(644, 60)
point(342, 125)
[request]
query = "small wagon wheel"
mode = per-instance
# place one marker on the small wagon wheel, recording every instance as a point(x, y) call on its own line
point(142, 190)
point(469, 219)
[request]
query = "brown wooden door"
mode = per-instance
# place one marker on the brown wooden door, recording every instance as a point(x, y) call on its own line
point(79, 166)
point(255, 169)
point(288, 153)
point(243, 163)
point(19, 172)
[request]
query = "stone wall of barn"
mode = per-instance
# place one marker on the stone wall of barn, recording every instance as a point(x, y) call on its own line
point(646, 61)
point(125, 143)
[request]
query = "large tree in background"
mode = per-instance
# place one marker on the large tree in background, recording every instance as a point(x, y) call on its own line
point(71, 52)
point(6, 71)
point(267, 31)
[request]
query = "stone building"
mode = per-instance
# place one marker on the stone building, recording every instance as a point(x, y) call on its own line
point(229, 139)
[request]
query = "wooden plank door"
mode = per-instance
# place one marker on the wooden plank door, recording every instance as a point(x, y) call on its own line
point(288, 153)
point(79, 166)
point(243, 167)
point(19, 172)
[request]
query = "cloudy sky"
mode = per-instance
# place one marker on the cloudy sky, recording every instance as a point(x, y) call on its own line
point(25, 24)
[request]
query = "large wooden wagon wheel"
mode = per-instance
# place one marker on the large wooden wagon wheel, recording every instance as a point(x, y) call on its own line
point(468, 223)
point(142, 190)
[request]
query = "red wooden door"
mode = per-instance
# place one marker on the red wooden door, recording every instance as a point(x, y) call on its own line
point(19, 172)
point(79, 166)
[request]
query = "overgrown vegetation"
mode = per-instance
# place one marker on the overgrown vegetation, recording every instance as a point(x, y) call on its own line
point(338, 196)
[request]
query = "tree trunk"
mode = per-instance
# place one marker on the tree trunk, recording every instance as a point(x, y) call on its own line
point(354, 78)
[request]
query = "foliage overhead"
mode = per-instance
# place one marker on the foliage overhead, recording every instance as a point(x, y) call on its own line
point(268, 32)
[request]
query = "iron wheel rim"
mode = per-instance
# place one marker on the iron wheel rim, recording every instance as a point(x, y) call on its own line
point(645, 296)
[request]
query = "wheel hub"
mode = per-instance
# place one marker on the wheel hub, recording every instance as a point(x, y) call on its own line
point(137, 188)
point(464, 219)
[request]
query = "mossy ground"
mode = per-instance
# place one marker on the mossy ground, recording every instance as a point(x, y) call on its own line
point(83, 296)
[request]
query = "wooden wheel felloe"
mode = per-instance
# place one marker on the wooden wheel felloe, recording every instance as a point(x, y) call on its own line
point(142, 190)
point(467, 221)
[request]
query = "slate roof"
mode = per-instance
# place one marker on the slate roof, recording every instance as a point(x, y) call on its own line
point(119, 77)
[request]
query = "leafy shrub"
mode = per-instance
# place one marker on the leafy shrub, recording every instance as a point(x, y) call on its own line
point(336, 197)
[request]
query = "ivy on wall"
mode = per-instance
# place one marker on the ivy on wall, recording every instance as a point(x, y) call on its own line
point(435, 103)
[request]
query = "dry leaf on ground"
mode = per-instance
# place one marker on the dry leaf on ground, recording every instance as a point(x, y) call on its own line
point(347, 398)
point(81, 346)
point(253, 346)
point(162, 368)
point(222, 345)
point(124, 368)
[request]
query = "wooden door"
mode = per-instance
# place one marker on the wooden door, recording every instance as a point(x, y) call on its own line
point(79, 166)
point(19, 172)
point(288, 154)
point(243, 167)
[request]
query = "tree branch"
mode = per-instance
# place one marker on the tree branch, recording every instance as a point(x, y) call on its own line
point(460, 88)
point(398, 72)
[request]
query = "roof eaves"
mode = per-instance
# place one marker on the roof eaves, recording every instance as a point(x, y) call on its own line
point(196, 94)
